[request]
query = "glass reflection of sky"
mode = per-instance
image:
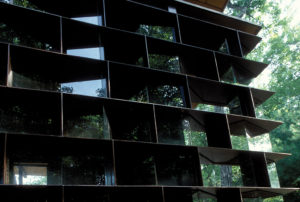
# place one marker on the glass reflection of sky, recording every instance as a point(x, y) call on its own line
point(95, 20)
point(88, 88)
point(93, 53)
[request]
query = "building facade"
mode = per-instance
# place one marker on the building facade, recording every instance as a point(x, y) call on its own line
point(132, 100)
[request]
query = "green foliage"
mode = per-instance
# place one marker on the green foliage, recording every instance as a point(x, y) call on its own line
point(281, 49)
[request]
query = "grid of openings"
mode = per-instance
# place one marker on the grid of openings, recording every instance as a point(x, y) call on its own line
point(124, 95)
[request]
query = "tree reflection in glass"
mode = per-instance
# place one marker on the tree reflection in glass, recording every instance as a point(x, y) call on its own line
point(87, 125)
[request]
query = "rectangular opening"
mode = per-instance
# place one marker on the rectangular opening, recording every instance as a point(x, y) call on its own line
point(30, 174)
point(47, 71)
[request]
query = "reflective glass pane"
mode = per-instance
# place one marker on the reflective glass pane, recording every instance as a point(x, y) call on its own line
point(167, 95)
point(165, 33)
point(85, 170)
point(38, 161)
point(96, 88)
point(212, 108)
point(221, 175)
point(260, 143)
point(88, 121)
point(20, 36)
point(176, 169)
point(20, 113)
point(271, 199)
point(93, 53)
point(164, 62)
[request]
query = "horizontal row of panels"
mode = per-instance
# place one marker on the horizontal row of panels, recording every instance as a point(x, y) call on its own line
point(49, 160)
point(34, 69)
point(136, 18)
point(51, 113)
point(192, 10)
point(141, 194)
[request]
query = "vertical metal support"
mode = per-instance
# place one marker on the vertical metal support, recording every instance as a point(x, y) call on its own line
point(240, 43)
point(9, 74)
point(247, 102)
point(104, 12)
point(217, 67)
point(229, 131)
point(189, 99)
point(63, 194)
point(155, 124)
point(114, 163)
point(61, 114)
point(163, 194)
point(61, 35)
point(5, 167)
point(234, 44)
point(178, 29)
point(108, 80)
point(199, 169)
point(253, 104)
point(147, 52)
